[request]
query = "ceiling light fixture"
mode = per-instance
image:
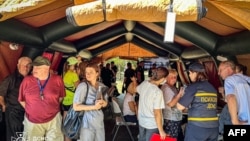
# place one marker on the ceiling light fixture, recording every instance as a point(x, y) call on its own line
point(171, 18)
point(221, 58)
point(129, 36)
point(14, 46)
point(129, 25)
point(85, 54)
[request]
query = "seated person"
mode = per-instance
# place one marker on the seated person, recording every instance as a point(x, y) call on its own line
point(129, 105)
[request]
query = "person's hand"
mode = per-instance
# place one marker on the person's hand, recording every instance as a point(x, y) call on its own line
point(98, 104)
point(221, 90)
point(163, 135)
point(181, 92)
point(102, 102)
point(238, 122)
point(3, 107)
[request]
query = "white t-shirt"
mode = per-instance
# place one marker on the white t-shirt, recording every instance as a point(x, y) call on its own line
point(151, 97)
point(126, 110)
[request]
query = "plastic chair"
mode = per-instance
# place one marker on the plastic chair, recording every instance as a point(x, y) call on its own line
point(120, 121)
point(110, 96)
point(111, 91)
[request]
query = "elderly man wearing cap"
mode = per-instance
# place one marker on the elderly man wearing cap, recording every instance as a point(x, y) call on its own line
point(200, 98)
point(41, 94)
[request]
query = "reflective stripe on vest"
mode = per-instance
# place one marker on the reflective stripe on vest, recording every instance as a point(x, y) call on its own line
point(205, 94)
point(203, 119)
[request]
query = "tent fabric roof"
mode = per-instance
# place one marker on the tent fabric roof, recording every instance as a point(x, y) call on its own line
point(237, 10)
point(139, 10)
point(224, 18)
point(125, 50)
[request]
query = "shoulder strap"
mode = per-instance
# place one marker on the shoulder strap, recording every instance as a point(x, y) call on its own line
point(85, 99)
point(68, 88)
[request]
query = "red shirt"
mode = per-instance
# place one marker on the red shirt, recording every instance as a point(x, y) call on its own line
point(38, 110)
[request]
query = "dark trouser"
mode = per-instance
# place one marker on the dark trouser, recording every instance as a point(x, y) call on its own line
point(196, 133)
point(3, 128)
point(131, 118)
point(180, 135)
point(14, 122)
point(65, 107)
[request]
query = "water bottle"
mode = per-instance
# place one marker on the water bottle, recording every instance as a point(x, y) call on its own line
point(99, 93)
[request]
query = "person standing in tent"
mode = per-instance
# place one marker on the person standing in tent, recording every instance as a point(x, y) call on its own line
point(41, 95)
point(71, 81)
point(9, 89)
point(93, 120)
point(130, 107)
point(107, 75)
point(151, 103)
point(200, 98)
point(127, 74)
point(237, 91)
point(114, 70)
point(225, 118)
point(140, 72)
point(172, 116)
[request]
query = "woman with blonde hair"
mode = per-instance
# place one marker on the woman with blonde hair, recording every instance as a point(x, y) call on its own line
point(172, 116)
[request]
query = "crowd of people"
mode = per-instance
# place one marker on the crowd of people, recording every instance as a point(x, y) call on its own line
point(198, 100)
point(35, 101)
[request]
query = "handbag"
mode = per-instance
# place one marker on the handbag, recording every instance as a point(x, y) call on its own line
point(157, 137)
point(73, 121)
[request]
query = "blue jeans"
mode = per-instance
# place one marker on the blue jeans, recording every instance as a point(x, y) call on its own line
point(145, 134)
point(224, 119)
